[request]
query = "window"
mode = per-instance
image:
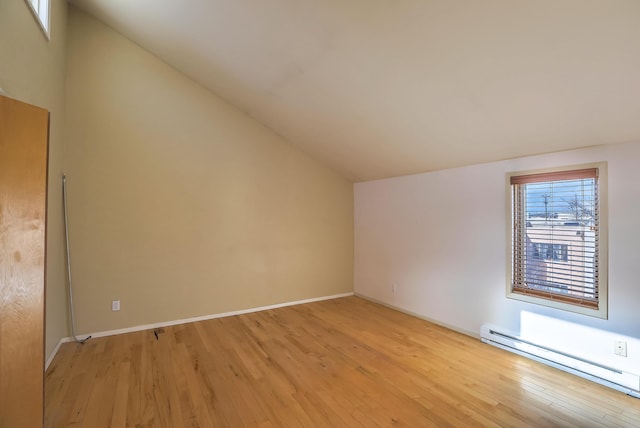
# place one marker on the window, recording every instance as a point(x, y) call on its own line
point(40, 9)
point(548, 251)
point(558, 240)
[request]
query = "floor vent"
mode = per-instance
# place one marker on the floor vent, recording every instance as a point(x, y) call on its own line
point(625, 382)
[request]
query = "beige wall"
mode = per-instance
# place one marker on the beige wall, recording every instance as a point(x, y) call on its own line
point(183, 206)
point(32, 69)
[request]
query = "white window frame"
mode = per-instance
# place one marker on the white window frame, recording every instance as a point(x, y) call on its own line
point(602, 310)
point(41, 12)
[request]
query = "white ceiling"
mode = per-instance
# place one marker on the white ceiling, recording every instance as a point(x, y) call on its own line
point(380, 88)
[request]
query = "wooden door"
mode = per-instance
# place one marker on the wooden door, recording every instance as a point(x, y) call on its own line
point(23, 201)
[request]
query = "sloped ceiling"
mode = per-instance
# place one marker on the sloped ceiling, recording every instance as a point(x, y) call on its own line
point(380, 88)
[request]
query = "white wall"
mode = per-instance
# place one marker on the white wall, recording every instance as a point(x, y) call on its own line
point(441, 238)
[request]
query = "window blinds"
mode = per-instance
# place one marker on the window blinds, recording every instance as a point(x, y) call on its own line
point(555, 235)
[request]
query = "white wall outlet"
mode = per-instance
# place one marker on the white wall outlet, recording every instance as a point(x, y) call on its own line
point(394, 287)
point(115, 305)
point(620, 348)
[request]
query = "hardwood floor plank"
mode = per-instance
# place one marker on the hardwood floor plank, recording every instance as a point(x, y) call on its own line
point(343, 362)
point(119, 417)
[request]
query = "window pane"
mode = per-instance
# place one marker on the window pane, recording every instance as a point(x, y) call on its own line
point(555, 237)
point(40, 9)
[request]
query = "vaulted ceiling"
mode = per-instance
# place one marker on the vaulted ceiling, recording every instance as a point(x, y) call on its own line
point(380, 88)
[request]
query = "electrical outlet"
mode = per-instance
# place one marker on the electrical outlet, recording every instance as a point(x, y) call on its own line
point(620, 348)
point(394, 287)
point(115, 305)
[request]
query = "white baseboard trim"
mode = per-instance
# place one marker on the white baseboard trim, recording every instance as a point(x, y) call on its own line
point(194, 319)
point(417, 315)
point(55, 351)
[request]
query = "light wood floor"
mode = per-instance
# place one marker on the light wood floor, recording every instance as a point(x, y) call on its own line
point(338, 363)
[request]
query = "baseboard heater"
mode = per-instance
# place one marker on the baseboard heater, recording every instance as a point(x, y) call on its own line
point(625, 382)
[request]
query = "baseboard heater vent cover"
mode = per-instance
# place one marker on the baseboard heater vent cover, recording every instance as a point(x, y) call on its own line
point(625, 382)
